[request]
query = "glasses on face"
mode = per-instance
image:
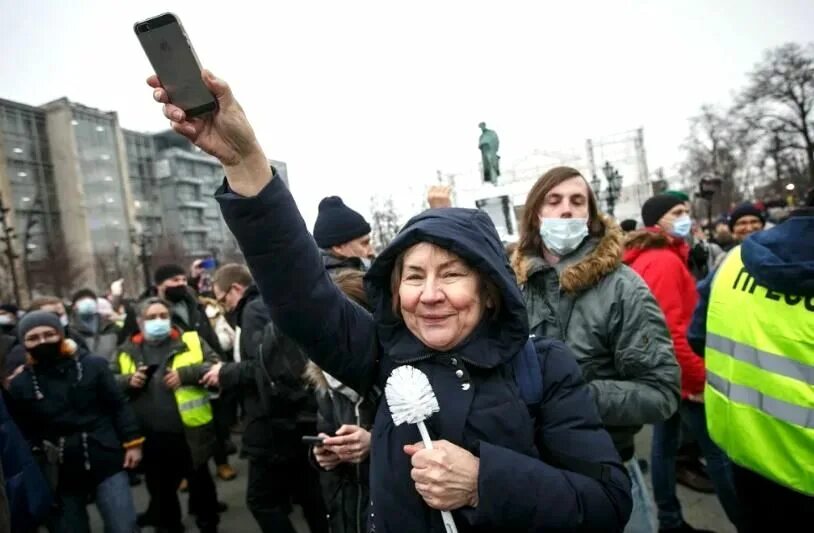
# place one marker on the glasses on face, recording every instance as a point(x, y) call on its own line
point(222, 299)
point(42, 338)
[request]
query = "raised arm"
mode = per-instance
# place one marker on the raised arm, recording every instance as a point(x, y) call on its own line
point(283, 258)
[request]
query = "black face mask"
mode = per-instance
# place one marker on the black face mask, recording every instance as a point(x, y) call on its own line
point(47, 352)
point(176, 294)
point(725, 239)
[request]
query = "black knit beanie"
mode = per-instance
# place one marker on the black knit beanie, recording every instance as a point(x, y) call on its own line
point(165, 272)
point(337, 223)
point(656, 206)
point(628, 225)
point(36, 319)
point(745, 210)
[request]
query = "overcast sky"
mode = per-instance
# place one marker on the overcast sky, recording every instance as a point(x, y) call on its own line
point(361, 97)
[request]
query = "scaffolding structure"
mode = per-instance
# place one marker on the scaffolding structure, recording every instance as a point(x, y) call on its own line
point(625, 151)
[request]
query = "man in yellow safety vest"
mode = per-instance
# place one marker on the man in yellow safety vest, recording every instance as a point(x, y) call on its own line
point(160, 369)
point(759, 351)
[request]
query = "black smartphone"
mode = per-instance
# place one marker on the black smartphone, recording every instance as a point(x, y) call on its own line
point(168, 48)
point(150, 371)
point(313, 439)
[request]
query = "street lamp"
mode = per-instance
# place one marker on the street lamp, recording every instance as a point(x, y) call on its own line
point(595, 184)
point(790, 187)
point(614, 186)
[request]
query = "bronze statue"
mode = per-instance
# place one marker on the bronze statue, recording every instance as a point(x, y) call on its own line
point(489, 144)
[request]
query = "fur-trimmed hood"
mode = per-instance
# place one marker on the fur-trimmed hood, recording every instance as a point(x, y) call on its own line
point(587, 271)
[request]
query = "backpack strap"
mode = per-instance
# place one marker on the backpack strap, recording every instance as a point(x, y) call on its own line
point(528, 374)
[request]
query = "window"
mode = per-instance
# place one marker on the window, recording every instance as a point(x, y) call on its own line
point(194, 241)
point(187, 192)
point(191, 217)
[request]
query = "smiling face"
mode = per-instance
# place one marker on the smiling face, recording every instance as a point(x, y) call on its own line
point(746, 226)
point(439, 296)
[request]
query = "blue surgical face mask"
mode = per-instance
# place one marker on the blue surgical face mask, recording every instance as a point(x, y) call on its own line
point(563, 235)
point(681, 226)
point(86, 307)
point(157, 328)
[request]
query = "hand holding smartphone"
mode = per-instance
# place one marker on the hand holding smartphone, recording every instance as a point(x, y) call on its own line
point(149, 371)
point(313, 440)
point(171, 54)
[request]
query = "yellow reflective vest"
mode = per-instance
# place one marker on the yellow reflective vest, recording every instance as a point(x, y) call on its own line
point(759, 394)
point(193, 402)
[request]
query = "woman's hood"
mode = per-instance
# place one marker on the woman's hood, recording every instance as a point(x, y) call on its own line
point(471, 235)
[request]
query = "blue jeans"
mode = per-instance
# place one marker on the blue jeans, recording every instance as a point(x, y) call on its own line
point(666, 437)
point(641, 517)
point(115, 504)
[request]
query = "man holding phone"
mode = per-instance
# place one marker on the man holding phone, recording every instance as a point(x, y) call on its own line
point(278, 408)
point(159, 369)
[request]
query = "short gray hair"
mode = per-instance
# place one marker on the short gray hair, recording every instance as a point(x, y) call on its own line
point(145, 304)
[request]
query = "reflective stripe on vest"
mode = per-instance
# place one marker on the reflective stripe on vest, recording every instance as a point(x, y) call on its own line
point(760, 376)
point(193, 402)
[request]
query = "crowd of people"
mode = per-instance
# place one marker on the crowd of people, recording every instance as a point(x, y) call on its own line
point(546, 359)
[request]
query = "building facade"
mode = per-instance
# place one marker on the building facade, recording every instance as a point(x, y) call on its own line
point(92, 185)
point(28, 190)
point(83, 196)
point(141, 154)
point(187, 180)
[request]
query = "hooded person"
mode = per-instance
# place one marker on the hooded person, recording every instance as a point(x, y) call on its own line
point(755, 322)
point(444, 300)
point(67, 400)
point(99, 334)
point(744, 221)
point(658, 253)
point(343, 235)
point(576, 289)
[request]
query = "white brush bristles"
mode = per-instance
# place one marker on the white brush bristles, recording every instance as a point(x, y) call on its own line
point(410, 396)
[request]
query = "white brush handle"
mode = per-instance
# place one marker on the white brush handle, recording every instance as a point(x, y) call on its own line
point(446, 516)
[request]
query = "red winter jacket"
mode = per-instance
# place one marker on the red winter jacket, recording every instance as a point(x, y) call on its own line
point(661, 260)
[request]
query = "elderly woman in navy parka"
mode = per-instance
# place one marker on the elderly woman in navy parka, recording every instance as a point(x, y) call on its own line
point(445, 301)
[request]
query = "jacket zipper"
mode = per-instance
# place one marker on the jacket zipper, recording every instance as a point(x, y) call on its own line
point(358, 472)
